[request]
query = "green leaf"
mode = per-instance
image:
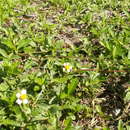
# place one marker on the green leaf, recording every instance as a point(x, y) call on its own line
point(3, 87)
point(105, 128)
point(114, 52)
point(10, 122)
point(128, 127)
point(107, 45)
point(68, 123)
point(9, 44)
point(72, 86)
point(62, 80)
point(117, 51)
point(3, 53)
point(39, 81)
point(127, 97)
point(23, 43)
point(129, 54)
point(120, 125)
point(99, 110)
point(63, 95)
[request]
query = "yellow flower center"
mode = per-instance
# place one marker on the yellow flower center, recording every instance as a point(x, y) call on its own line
point(23, 96)
point(67, 67)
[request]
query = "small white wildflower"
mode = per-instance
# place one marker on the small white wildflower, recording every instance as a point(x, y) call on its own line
point(117, 111)
point(67, 67)
point(22, 97)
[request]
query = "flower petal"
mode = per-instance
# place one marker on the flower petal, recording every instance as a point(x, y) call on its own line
point(63, 69)
point(18, 95)
point(70, 67)
point(68, 63)
point(117, 112)
point(25, 101)
point(23, 91)
point(65, 64)
point(18, 101)
point(68, 70)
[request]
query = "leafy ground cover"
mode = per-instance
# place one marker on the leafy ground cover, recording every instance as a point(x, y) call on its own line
point(64, 65)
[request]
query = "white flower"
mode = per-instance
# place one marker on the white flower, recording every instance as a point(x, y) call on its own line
point(117, 111)
point(67, 67)
point(22, 97)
